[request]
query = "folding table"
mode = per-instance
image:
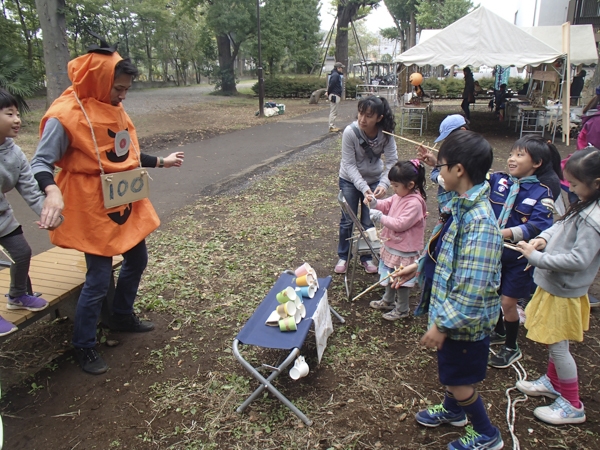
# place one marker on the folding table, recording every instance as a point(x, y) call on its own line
point(255, 332)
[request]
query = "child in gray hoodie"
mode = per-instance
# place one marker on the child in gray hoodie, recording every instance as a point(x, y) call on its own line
point(16, 173)
point(560, 310)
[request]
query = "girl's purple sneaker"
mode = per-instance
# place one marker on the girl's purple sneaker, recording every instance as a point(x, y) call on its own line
point(28, 302)
point(6, 327)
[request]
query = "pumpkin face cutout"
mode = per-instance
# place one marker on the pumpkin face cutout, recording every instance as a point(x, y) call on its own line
point(120, 217)
point(122, 143)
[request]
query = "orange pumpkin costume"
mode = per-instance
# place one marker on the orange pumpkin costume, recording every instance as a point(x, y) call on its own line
point(88, 225)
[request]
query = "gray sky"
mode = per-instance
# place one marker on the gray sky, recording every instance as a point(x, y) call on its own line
point(380, 18)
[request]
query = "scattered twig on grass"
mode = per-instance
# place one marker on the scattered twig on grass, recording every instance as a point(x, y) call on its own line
point(219, 414)
point(69, 414)
point(406, 385)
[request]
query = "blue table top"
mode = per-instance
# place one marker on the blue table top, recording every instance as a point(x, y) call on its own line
point(255, 332)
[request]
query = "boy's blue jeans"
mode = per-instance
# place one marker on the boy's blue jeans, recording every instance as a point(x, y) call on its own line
point(95, 289)
point(354, 197)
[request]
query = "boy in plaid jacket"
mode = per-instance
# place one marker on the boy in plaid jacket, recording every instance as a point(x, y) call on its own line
point(460, 276)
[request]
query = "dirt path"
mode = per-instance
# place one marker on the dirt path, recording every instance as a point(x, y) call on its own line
point(222, 139)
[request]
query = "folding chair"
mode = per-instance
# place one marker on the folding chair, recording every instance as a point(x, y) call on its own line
point(360, 245)
point(255, 332)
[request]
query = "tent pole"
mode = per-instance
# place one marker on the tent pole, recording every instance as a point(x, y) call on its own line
point(566, 110)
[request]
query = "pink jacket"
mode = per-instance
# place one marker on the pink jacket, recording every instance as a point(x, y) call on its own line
point(403, 222)
point(590, 131)
point(589, 135)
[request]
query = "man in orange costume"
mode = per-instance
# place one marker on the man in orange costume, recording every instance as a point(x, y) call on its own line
point(85, 132)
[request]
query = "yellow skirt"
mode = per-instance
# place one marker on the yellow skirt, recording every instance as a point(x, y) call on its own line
point(551, 319)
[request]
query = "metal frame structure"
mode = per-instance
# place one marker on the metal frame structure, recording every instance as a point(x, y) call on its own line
point(359, 245)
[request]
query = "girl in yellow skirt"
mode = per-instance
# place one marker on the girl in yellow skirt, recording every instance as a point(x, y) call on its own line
point(560, 310)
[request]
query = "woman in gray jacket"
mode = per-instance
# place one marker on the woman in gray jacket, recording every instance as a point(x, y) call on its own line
point(362, 171)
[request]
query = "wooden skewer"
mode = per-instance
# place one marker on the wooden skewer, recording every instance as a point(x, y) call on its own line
point(514, 247)
point(370, 288)
point(410, 140)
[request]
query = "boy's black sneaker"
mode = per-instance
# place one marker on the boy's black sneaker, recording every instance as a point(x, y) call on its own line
point(496, 338)
point(90, 361)
point(505, 357)
point(130, 323)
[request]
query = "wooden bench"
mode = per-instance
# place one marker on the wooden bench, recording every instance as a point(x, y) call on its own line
point(58, 275)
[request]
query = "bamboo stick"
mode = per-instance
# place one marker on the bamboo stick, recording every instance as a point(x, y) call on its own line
point(370, 288)
point(410, 140)
point(514, 247)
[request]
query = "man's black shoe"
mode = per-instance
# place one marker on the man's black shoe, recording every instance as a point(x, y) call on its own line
point(130, 323)
point(90, 361)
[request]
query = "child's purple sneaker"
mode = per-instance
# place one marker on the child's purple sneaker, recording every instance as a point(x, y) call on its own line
point(28, 302)
point(6, 327)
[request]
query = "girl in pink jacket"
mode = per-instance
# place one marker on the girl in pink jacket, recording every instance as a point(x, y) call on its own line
point(403, 218)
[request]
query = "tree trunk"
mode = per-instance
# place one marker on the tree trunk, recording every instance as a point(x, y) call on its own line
point(26, 34)
point(271, 67)
point(345, 13)
point(125, 33)
point(241, 64)
point(226, 64)
point(412, 38)
point(56, 50)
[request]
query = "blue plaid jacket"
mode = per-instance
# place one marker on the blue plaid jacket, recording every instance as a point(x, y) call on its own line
point(464, 300)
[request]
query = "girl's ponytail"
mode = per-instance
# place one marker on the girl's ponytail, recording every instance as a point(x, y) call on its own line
point(555, 159)
point(388, 123)
point(421, 177)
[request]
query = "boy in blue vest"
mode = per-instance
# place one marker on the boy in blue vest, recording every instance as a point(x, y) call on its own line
point(460, 277)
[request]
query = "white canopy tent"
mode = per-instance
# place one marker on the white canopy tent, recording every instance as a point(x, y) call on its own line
point(583, 49)
point(484, 38)
point(477, 39)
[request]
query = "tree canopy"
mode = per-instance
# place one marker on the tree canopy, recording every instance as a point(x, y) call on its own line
point(411, 16)
point(178, 40)
point(438, 14)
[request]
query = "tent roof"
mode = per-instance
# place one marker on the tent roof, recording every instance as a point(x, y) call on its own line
point(583, 45)
point(480, 38)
